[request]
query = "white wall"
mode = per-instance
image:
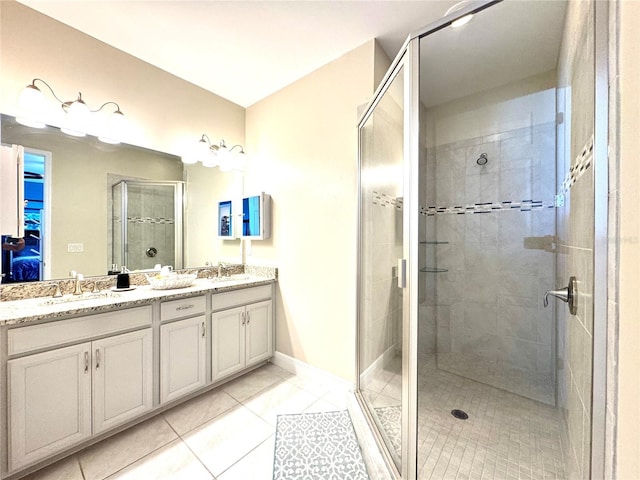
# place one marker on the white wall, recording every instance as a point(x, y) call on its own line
point(627, 456)
point(304, 143)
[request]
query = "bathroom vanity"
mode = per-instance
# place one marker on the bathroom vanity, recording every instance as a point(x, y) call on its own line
point(75, 371)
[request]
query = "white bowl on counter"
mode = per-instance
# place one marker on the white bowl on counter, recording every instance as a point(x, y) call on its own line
point(174, 280)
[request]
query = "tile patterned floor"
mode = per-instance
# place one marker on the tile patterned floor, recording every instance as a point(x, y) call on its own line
point(225, 434)
point(534, 385)
point(506, 437)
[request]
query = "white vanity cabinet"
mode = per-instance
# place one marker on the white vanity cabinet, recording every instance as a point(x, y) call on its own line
point(122, 378)
point(182, 347)
point(71, 379)
point(49, 403)
point(242, 330)
point(62, 396)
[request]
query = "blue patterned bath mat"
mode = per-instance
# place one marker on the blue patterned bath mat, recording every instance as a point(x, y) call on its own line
point(317, 446)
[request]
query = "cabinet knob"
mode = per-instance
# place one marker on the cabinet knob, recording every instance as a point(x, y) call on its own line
point(86, 362)
point(97, 359)
point(243, 318)
point(203, 330)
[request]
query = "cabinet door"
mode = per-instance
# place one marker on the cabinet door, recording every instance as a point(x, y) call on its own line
point(182, 357)
point(122, 378)
point(227, 355)
point(259, 332)
point(49, 403)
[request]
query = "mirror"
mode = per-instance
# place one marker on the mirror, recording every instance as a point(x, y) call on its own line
point(78, 179)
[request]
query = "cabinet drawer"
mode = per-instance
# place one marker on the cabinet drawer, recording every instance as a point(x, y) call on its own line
point(185, 307)
point(222, 301)
point(25, 339)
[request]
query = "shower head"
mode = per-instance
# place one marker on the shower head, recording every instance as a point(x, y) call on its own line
point(482, 159)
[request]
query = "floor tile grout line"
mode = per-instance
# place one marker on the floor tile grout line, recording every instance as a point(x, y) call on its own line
point(189, 448)
point(80, 466)
point(247, 454)
point(146, 454)
point(222, 412)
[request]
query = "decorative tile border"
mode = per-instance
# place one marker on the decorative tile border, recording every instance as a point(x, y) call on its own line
point(488, 207)
point(160, 220)
point(383, 200)
point(581, 164)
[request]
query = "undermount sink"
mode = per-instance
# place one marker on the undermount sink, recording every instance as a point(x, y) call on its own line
point(79, 298)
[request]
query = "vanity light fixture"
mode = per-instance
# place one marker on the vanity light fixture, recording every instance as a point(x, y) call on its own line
point(216, 155)
point(78, 116)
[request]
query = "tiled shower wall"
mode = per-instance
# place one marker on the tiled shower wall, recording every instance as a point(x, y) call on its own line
point(488, 269)
point(575, 229)
point(150, 223)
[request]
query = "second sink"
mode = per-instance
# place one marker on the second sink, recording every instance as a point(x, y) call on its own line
point(79, 298)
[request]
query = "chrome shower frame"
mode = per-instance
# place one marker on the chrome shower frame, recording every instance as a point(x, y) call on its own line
point(179, 196)
point(408, 57)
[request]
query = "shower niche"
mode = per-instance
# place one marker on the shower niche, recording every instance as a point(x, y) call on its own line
point(147, 224)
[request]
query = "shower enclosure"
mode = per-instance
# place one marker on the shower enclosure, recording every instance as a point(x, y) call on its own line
point(147, 224)
point(482, 191)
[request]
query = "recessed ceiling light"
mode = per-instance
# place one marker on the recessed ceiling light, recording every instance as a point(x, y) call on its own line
point(461, 21)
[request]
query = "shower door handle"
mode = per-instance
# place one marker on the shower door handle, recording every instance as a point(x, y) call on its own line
point(569, 295)
point(402, 273)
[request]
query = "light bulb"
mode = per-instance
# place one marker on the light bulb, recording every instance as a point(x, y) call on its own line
point(461, 21)
point(78, 112)
point(32, 99)
point(114, 128)
point(77, 118)
point(203, 151)
point(32, 102)
point(210, 161)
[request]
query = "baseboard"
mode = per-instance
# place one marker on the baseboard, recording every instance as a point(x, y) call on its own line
point(303, 369)
point(380, 362)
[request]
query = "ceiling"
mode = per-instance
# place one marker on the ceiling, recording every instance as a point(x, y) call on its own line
point(243, 50)
point(246, 50)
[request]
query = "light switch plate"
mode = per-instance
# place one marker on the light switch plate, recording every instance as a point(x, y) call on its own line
point(75, 247)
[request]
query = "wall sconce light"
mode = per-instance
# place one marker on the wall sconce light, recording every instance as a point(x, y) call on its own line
point(77, 118)
point(212, 155)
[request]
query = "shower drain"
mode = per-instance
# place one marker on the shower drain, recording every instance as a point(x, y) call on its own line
point(459, 414)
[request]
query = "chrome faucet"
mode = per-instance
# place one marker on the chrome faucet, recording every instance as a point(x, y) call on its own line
point(77, 286)
point(209, 267)
point(95, 288)
point(222, 268)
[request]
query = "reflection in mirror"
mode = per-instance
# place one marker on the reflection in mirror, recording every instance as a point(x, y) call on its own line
point(74, 226)
point(225, 219)
point(147, 225)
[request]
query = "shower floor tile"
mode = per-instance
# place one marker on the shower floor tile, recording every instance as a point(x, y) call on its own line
point(534, 385)
point(506, 436)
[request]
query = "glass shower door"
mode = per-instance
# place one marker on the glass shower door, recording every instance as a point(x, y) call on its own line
point(381, 278)
point(147, 224)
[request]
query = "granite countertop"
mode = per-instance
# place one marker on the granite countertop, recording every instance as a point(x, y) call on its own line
point(23, 311)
